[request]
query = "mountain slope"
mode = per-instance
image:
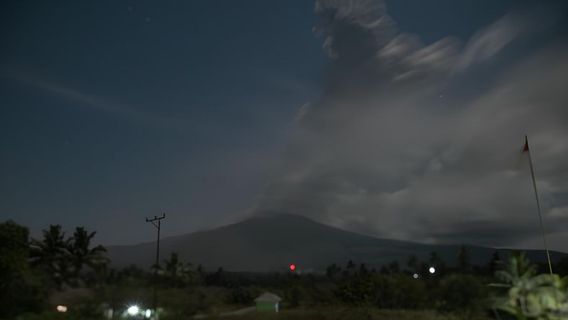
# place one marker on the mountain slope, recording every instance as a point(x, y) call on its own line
point(271, 243)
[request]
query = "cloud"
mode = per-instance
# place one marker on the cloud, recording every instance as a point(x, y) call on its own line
point(405, 142)
point(302, 111)
point(369, 15)
point(97, 103)
point(490, 41)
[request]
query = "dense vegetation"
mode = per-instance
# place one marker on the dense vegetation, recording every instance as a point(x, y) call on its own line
point(38, 274)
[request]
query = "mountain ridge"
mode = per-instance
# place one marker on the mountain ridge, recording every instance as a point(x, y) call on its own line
point(271, 242)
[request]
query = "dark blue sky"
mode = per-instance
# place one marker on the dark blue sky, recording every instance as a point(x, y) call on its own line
point(192, 101)
point(111, 111)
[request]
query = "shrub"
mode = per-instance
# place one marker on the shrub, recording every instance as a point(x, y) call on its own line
point(464, 294)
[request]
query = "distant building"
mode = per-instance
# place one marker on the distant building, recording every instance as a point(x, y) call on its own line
point(267, 302)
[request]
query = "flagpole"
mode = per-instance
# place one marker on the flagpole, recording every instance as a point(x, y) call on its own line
point(538, 205)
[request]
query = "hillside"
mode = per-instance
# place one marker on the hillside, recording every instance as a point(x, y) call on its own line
point(271, 243)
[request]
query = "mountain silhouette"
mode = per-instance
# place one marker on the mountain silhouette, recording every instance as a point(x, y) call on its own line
point(272, 242)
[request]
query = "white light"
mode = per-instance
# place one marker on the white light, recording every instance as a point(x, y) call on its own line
point(133, 310)
point(61, 308)
point(148, 313)
point(415, 276)
point(432, 270)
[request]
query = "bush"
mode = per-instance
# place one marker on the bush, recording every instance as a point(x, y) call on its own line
point(392, 292)
point(20, 289)
point(243, 295)
point(465, 294)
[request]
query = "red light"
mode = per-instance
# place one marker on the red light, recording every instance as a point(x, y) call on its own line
point(292, 267)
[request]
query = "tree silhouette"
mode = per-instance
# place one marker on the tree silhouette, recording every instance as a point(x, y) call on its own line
point(349, 269)
point(332, 271)
point(394, 267)
point(172, 265)
point(51, 255)
point(363, 271)
point(437, 262)
point(463, 259)
point(561, 266)
point(495, 263)
point(412, 264)
point(19, 290)
point(177, 272)
point(81, 253)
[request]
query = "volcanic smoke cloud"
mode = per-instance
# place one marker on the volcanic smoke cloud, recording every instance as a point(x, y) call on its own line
point(421, 141)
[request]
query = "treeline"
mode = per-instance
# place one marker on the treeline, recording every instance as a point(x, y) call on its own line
point(34, 270)
point(465, 290)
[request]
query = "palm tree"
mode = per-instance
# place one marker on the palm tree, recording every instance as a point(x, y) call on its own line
point(531, 296)
point(50, 254)
point(517, 271)
point(81, 253)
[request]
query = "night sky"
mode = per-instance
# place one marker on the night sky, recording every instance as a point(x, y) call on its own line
point(399, 119)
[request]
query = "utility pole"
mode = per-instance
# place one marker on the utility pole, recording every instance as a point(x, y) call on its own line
point(157, 222)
